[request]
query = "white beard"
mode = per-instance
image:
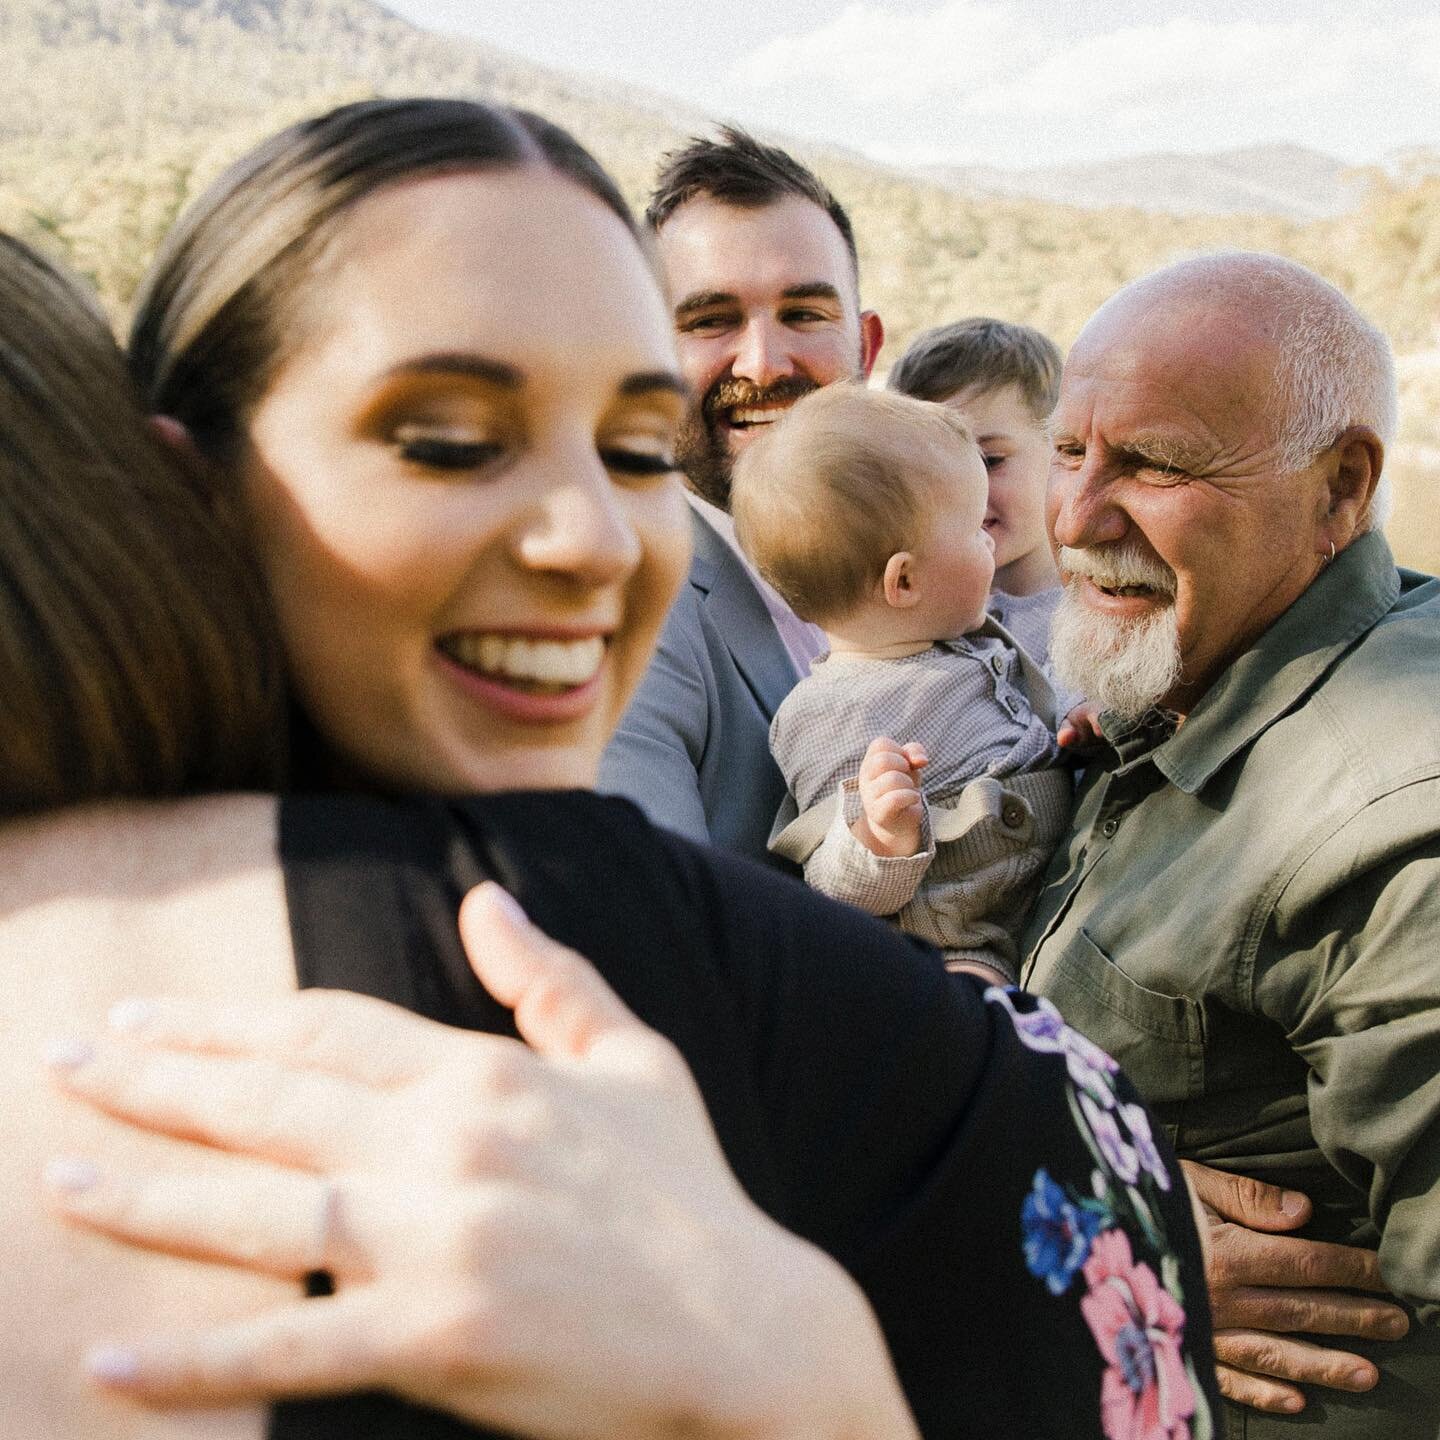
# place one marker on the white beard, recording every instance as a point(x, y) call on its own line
point(1126, 666)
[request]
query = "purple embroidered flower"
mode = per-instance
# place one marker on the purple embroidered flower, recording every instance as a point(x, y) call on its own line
point(1043, 1028)
point(1119, 1154)
point(1137, 1122)
point(1058, 1233)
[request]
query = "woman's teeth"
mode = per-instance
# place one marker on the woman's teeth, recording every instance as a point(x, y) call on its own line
point(551, 664)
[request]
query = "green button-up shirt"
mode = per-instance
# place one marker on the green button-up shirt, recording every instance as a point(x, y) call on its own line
point(1247, 915)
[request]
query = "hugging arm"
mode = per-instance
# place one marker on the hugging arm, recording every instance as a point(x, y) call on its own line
point(547, 1241)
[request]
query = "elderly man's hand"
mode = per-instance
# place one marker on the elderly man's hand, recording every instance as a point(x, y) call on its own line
point(1262, 1285)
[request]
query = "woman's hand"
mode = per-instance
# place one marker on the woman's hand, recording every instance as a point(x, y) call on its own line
point(546, 1240)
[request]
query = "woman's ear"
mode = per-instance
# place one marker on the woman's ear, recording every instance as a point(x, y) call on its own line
point(899, 579)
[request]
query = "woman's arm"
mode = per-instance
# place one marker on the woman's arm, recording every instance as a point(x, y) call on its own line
point(545, 1240)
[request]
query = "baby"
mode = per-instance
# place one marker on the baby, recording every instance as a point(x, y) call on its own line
point(866, 511)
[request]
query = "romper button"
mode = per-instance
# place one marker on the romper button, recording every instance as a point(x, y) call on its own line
point(997, 664)
point(1012, 814)
point(1109, 828)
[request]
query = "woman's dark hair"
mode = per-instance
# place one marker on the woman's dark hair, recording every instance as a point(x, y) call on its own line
point(216, 315)
point(137, 651)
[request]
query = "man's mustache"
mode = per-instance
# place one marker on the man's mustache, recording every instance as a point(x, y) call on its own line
point(729, 393)
point(1117, 566)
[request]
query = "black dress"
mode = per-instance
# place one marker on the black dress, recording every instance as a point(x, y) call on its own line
point(984, 1173)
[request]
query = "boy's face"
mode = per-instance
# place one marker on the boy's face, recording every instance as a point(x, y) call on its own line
point(1017, 457)
point(955, 557)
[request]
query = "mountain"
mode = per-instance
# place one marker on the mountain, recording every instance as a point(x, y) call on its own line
point(113, 113)
point(1285, 180)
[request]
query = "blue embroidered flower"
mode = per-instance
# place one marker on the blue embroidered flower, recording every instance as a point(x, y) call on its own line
point(1058, 1233)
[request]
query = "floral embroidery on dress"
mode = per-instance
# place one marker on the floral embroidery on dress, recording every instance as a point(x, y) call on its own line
point(1150, 1390)
point(1139, 1326)
point(1058, 1232)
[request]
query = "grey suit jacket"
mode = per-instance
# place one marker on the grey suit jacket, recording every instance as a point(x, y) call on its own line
point(693, 749)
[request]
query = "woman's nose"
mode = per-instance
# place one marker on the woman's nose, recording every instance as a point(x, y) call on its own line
point(581, 527)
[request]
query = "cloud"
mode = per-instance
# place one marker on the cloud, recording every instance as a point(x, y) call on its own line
point(1001, 82)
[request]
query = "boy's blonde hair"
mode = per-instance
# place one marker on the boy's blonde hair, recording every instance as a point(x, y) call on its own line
point(827, 494)
point(983, 355)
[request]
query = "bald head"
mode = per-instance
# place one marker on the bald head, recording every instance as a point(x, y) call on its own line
point(1329, 367)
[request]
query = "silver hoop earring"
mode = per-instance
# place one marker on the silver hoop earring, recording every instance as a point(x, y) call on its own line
point(1331, 555)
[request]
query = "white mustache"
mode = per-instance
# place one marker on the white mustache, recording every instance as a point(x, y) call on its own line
point(1114, 568)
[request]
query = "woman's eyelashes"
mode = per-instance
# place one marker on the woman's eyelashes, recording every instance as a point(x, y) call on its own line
point(442, 447)
point(457, 448)
point(639, 463)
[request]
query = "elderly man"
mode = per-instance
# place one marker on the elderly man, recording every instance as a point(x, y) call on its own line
point(760, 267)
point(1247, 909)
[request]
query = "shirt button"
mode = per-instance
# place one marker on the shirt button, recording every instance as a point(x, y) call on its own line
point(1109, 828)
point(1012, 815)
point(997, 664)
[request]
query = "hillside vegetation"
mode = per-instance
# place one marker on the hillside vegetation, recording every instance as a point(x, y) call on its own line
point(113, 113)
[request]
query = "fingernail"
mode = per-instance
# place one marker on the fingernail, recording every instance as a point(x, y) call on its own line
point(71, 1176)
point(506, 903)
point(112, 1365)
point(1362, 1378)
point(1293, 1203)
point(68, 1053)
point(1292, 1404)
point(1396, 1327)
point(130, 1014)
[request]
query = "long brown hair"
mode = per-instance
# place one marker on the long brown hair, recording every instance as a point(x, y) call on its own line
point(222, 306)
point(137, 652)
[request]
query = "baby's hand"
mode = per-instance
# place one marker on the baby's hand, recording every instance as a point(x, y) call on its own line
point(1080, 729)
point(894, 809)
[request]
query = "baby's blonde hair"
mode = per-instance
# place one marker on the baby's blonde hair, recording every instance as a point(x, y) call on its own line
point(827, 494)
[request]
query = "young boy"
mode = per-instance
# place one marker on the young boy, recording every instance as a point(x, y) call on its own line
point(1004, 380)
point(866, 511)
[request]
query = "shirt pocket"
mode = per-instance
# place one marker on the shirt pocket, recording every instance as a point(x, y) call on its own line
point(1158, 1038)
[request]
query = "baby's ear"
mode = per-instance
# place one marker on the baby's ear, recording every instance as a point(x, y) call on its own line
point(899, 581)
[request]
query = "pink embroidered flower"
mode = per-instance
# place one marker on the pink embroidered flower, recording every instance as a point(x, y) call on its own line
point(1136, 1322)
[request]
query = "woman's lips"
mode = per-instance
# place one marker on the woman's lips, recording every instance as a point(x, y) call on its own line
point(535, 679)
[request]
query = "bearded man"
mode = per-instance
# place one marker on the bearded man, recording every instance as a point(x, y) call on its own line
point(1246, 911)
point(759, 264)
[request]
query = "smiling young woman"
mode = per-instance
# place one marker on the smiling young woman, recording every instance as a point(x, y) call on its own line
point(449, 400)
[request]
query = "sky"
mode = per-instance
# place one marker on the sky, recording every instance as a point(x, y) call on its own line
point(1014, 83)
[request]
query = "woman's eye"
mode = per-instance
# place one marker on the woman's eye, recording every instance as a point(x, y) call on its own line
point(993, 462)
point(439, 451)
point(636, 462)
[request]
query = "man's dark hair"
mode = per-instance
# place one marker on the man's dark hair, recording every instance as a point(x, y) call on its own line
point(737, 169)
point(983, 355)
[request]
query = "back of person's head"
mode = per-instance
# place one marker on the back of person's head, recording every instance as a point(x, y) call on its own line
point(844, 480)
point(137, 652)
point(980, 355)
point(242, 273)
point(736, 169)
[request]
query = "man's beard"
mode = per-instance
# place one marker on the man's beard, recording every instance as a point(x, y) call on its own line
point(702, 449)
point(1125, 666)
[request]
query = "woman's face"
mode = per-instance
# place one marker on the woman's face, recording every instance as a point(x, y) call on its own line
point(462, 482)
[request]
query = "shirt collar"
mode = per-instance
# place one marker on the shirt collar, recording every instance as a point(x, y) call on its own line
point(1274, 675)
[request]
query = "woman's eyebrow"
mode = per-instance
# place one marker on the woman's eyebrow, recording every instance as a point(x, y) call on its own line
point(450, 362)
point(651, 380)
